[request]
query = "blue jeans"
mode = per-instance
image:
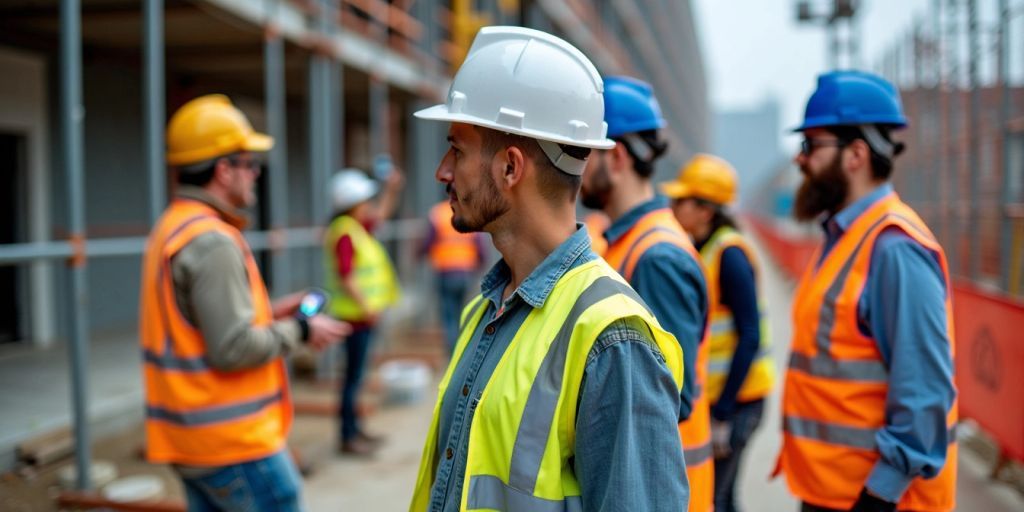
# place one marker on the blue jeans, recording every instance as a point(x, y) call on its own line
point(266, 485)
point(357, 348)
point(452, 288)
point(744, 423)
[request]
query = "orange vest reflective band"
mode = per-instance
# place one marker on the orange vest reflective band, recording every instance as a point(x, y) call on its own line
point(451, 251)
point(836, 385)
point(195, 414)
point(660, 226)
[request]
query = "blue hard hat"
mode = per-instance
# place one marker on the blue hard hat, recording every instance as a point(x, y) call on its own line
point(630, 106)
point(853, 98)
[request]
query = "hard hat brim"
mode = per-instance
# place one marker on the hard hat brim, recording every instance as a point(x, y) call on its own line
point(364, 196)
point(441, 113)
point(675, 190)
point(256, 141)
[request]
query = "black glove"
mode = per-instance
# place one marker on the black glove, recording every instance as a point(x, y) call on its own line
point(868, 503)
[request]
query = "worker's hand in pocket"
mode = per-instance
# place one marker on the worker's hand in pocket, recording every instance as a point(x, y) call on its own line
point(324, 330)
point(721, 431)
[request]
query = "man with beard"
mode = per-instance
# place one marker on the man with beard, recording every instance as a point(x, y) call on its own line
point(869, 405)
point(563, 390)
point(651, 250)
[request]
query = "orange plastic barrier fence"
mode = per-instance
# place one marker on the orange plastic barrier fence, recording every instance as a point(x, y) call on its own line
point(990, 345)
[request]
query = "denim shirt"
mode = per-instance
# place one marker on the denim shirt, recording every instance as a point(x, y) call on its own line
point(628, 454)
point(672, 283)
point(903, 309)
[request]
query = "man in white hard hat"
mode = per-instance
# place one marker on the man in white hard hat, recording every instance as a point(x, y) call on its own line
point(563, 391)
point(362, 283)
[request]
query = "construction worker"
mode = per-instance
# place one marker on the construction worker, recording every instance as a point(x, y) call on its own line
point(647, 246)
point(362, 283)
point(870, 406)
point(741, 372)
point(217, 401)
point(596, 222)
point(563, 391)
point(455, 258)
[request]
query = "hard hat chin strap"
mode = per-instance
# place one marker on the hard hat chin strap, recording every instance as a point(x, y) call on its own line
point(877, 141)
point(562, 160)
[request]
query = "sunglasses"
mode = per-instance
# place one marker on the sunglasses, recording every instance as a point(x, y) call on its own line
point(807, 146)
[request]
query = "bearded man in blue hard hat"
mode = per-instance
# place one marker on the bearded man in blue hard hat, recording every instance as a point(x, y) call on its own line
point(870, 405)
point(652, 251)
point(563, 390)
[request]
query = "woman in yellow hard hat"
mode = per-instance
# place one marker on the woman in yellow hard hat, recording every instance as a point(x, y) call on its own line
point(740, 372)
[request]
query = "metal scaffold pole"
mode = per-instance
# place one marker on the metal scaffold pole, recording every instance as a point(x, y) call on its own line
point(153, 105)
point(277, 164)
point(72, 119)
point(974, 141)
point(1006, 224)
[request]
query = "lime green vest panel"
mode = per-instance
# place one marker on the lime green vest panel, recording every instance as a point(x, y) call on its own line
point(374, 274)
point(523, 430)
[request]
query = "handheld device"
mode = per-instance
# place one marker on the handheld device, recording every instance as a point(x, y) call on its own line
point(313, 302)
point(382, 166)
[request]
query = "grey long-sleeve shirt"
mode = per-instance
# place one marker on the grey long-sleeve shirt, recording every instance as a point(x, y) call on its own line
point(211, 288)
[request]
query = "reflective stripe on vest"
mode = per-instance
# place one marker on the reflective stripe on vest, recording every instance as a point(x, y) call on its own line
point(195, 414)
point(371, 267)
point(451, 250)
point(524, 421)
point(656, 227)
point(837, 382)
point(760, 377)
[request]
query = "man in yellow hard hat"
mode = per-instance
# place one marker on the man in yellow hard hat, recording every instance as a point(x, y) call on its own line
point(218, 406)
point(740, 369)
point(563, 391)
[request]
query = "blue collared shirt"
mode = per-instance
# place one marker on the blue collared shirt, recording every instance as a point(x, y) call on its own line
point(672, 283)
point(628, 455)
point(903, 309)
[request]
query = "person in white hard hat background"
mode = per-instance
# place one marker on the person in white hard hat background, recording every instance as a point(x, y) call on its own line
point(361, 280)
point(564, 391)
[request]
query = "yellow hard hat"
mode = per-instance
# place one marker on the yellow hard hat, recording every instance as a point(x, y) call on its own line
point(704, 177)
point(208, 127)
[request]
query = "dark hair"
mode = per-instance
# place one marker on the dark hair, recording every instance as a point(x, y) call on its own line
point(655, 148)
point(720, 217)
point(198, 174)
point(554, 184)
point(881, 166)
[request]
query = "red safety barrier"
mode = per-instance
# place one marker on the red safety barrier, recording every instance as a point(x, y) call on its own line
point(990, 364)
point(990, 348)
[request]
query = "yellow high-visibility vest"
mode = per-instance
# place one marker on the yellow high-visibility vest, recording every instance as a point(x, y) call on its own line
point(374, 274)
point(761, 377)
point(522, 435)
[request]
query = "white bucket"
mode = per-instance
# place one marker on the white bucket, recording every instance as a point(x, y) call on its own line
point(405, 381)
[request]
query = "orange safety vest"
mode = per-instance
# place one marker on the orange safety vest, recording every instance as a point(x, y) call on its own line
point(836, 385)
point(451, 251)
point(596, 224)
point(195, 414)
point(660, 226)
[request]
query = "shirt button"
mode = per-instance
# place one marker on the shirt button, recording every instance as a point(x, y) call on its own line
point(448, 453)
point(465, 390)
point(489, 329)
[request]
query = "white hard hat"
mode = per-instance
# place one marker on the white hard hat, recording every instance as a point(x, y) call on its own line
point(350, 187)
point(531, 83)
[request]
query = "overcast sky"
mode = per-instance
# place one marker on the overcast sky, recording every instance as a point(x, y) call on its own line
point(754, 50)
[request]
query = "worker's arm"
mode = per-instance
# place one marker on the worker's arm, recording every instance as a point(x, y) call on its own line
point(212, 287)
point(671, 282)
point(387, 204)
point(628, 454)
point(906, 315)
point(738, 292)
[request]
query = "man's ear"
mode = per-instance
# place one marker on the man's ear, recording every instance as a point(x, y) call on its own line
point(858, 155)
point(513, 165)
point(620, 157)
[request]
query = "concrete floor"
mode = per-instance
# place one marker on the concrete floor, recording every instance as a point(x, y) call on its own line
point(35, 399)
